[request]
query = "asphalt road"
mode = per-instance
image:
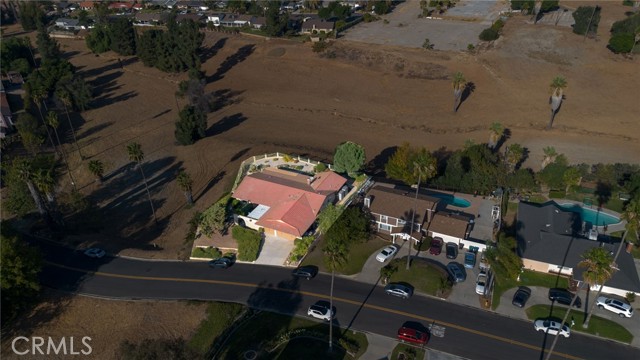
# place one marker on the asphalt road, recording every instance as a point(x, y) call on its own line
point(468, 332)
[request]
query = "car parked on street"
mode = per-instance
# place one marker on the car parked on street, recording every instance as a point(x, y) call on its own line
point(564, 297)
point(481, 283)
point(616, 306)
point(221, 263)
point(386, 253)
point(552, 327)
point(457, 272)
point(400, 290)
point(321, 310)
point(413, 336)
point(452, 250)
point(307, 272)
point(436, 246)
point(95, 253)
point(469, 259)
point(521, 296)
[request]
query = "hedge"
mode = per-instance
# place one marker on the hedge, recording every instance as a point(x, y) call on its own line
point(489, 34)
point(209, 253)
point(249, 242)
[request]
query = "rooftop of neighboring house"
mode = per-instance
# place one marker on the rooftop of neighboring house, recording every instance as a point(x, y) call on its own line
point(121, 5)
point(150, 16)
point(67, 22)
point(318, 24)
point(398, 202)
point(450, 224)
point(194, 17)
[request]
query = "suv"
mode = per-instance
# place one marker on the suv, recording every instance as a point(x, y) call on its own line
point(469, 260)
point(406, 334)
point(621, 308)
point(563, 296)
point(452, 250)
point(436, 246)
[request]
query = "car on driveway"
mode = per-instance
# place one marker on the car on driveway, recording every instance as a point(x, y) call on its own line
point(481, 284)
point(616, 306)
point(521, 296)
point(321, 310)
point(436, 246)
point(452, 250)
point(95, 253)
point(551, 327)
point(564, 297)
point(413, 336)
point(386, 253)
point(399, 290)
point(221, 263)
point(469, 260)
point(457, 272)
point(307, 272)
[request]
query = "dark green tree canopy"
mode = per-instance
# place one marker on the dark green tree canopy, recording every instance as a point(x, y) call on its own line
point(174, 50)
point(122, 37)
point(349, 157)
point(98, 40)
point(31, 15)
point(14, 52)
point(582, 16)
point(405, 164)
point(191, 126)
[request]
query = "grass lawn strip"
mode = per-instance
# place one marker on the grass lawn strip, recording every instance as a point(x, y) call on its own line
point(358, 255)
point(423, 276)
point(220, 316)
point(527, 278)
point(597, 326)
point(410, 352)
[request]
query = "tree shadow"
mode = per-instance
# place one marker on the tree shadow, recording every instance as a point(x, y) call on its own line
point(224, 97)
point(602, 193)
point(231, 61)
point(282, 298)
point(375, 167)
point(225, 124)
point(469, 88)
point(114, 65)
point(506, 135)
point(211, 183)
point(94, 129)
point(239, 154)
point(207, 54)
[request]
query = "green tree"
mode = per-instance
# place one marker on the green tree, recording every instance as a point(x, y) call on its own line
point(191, 126)
point(459, 83)
point(489, 34)
point(45, 181)
point(621, 43)
point(25, 172)
point(21, 265)
point(149, 46)
point(525, 5)
point(96, 167)
point(134, 150)
point(495, 135)
point(553, 174)
point(631, 215)
point(549, 5)
point(335, 256)
point(521, 180)
point(63, 94)
point(276, 22)
point(48, 48)
point(185, 183)
point(558, 84)
point(52, 120)
point(75, 90)
point(504, 261)
point(98, 40)
point(550, 155)
point(349, 157)
point(214, 218)
point(30, 132)
point(31, 15)
point(514, 156)
point(586, 19)
point(15, 54)
point(122, 37)
point(327, 217)
point(599, 268)
point(38, 95)
point(571, 177)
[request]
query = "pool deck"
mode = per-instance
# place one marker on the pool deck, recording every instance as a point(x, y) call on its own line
point(620, 226)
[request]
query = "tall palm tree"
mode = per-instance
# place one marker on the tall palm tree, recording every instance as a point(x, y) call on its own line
point(631, 215)
point(185, 183)
point(65, 98)
point(459, 83)
point(550, 155)
point(496, 134)
point(335, 255)
point(426, 167)
point(25, 170)
point(96, 167)
point(558, 84)
point(38, 96)
point(600, 267)
point(136, 154)
point(52, 120)
point(514, 155)
point(44, 181)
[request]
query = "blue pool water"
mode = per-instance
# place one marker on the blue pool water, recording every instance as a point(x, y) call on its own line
point(452, 200)
point(591, 216)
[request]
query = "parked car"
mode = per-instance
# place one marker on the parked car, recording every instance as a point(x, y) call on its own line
point(321, 310)
point(399, 290)
point(414, 336)
point(307, 272)
point(521, 296)
point(221, 263)
point(481, 284)
point(457, 272)
point(387, 253)
point(95, 253)
point(469, 260)
point(484, 264)
point(452, 250)
point(563, 296)
point(616, 306)
point(436, 246)
point(551, 327)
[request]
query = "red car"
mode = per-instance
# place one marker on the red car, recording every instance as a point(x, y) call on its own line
point(413, 336)
point(436, 246)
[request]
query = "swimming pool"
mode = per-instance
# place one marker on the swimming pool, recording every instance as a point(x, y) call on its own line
point(591, 216)
point(452, 200)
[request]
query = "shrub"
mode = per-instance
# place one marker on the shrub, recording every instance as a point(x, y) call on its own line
point(489, 34)
point(385, 21)
point(470, 48)
point(248, 243)
point(621, 43)
point(320, 46)
point(209, 253)
point(369, 18)
point(631, 297)
point(320, 168)
point(583, 19)
point(214, 218)
point(300, 247)
point(287, 158)
point(497, 25)
point(193, 227)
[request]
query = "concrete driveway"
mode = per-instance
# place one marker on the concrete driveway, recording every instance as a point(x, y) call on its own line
point(275, 251)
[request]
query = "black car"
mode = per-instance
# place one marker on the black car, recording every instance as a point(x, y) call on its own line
point(457, 272)
point(521, 296)
point(307, 272)
point(221, 263)
point(452, 250)
point(564, 297)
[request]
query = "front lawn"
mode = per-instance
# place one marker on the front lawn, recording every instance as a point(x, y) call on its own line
point(409, 352)
point(422, 275)
point(597, 325)
point(358, 255)
point(527, 278)
point(220, 316)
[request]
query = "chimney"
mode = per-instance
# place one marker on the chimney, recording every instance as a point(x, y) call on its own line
point(367, 201)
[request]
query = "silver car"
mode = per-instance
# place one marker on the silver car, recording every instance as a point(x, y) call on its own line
point(616, 306)
point(399, 290)
point(551, 327)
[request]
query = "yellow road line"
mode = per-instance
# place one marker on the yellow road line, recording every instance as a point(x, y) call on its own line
point(339, 299)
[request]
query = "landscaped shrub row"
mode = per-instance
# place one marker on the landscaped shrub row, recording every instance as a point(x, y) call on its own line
point(300, 247)
point(248, 243)
point(208, 253)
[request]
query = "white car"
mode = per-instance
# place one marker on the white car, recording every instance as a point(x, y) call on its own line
point(481, 283)
point(621, 308)
point(386, 253)
point(95, 253)
point(320, 310)
point(552, 327)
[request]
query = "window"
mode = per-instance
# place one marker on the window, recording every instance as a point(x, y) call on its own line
point(384, 227)
point(384, 219)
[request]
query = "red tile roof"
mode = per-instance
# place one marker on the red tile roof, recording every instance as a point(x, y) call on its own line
point(86, 4)
point(120, 5)
point(294, 200)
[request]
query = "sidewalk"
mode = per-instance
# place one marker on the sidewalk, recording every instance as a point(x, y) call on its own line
point(380, 347)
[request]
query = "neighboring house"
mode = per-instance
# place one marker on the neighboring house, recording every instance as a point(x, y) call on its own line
point(196, 5)
point(259, 22)
point(121, 6)
point(392, 209)
point(195, 17)
point(87, 5)
point(138, 6)
point(551, 239)
point(454, 228)
point(6, 117)
point(215, 19)
point(232, 20)
point(164, 3)
point(287, 202)
point(148, 19)
point(68, 24)
point(317, 25)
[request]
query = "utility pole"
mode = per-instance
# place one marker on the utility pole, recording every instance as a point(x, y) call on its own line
point(413, 218)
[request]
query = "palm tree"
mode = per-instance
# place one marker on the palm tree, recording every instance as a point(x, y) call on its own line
point(425, 166)
point(459, 83)
point(65, 98)
point(38, 96)
point(136, 154)
point(25, 171)
point(558, 84)
point(631, 215)
point(497, 132)
point(600, 267)
point(335, 255)
point(514, 155)
point(549, 156)
point(52, 120)
point(96, 167)
point(185, 183)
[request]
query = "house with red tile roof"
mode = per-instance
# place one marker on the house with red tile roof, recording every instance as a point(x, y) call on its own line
point(87, 5)
point(121, 5)
point(286, 202)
